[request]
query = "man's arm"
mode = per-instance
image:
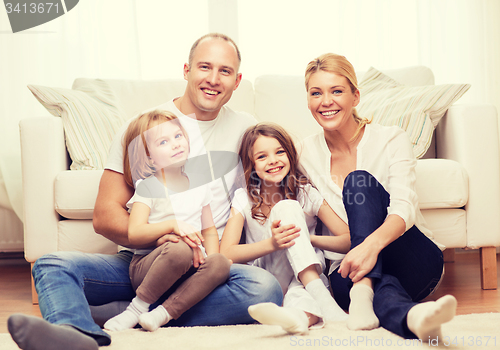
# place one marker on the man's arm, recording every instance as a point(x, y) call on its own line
point(110, 213)
point(111, 217)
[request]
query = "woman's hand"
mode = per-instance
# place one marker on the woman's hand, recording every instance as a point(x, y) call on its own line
point(283, 236)
point(358, 262)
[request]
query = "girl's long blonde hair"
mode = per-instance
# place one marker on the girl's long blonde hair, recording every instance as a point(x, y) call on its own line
point(291, 183)
point(137, 163)
point(337, 64)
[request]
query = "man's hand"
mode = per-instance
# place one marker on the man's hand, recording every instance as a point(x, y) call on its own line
point(283, 236)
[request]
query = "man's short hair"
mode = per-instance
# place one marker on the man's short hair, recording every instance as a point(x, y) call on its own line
point(214, 36)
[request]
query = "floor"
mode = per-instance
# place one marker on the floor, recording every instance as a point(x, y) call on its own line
point(462, 279)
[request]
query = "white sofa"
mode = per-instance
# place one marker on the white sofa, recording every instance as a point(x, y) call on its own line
point(458, 183)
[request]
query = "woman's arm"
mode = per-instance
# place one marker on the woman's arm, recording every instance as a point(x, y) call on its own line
point(142, 233)
point(340, 242)
point(242, 253)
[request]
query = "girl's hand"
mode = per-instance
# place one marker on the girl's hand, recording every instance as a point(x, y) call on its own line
point(283, 236)
point(358, 262)
point(198, 258)
point(183, 229)
point(167, 238)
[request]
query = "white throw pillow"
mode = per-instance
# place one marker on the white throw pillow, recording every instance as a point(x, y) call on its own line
point(416, 109)
point(90, 119)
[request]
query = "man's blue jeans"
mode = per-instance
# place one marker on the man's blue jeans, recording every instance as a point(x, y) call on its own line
point(68, 282)
point(407, 270)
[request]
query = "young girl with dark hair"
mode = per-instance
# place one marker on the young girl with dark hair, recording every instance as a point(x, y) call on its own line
point(278, 195)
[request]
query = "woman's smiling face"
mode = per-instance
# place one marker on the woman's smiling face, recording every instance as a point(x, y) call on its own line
point(331, 100)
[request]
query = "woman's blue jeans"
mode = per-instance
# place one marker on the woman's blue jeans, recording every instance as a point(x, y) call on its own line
point(407, 270)
point(68, 282)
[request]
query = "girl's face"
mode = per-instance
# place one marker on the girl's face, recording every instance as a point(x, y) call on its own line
point(167, 145)
point(330, 100)
point(270, 160)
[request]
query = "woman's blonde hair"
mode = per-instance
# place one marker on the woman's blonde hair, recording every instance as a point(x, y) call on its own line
point(291, 183)
point(337, 64)
point(137, 163)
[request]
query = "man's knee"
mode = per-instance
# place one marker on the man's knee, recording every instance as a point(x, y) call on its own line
point(59, 261)
point(259, 285)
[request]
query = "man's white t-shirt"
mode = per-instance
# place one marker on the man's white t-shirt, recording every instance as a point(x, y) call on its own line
point(219, 139)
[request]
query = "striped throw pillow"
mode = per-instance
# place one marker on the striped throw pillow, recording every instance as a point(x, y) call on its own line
point(416, 109)
point(90, 120)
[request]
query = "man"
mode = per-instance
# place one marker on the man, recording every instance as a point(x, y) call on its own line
point(68, 282)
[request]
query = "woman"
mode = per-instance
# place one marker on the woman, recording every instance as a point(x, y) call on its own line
point(366, 172)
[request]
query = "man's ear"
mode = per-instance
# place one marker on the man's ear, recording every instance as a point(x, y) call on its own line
point(238, 81)
point(186, 71)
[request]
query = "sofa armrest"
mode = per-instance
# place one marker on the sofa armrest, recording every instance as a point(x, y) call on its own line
point(43, 156)
point(468, 134)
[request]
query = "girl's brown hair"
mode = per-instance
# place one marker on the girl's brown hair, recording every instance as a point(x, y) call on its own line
point(337, 64)
point(136, 161)
point(291, 183)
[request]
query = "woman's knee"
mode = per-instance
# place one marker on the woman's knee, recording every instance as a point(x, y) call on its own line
point(361, 188)
point(360, 181)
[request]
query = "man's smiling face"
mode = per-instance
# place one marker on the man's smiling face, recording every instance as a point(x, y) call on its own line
point(212, 77)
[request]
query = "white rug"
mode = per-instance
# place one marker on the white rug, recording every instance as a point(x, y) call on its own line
point(475, 331)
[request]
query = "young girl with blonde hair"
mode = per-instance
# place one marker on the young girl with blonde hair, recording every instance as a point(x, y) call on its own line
point(278, 195)
point(166, 202)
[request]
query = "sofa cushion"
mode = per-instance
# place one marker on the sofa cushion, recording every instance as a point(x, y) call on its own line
point(416, 109)
point(75, 193)
point(441, 183)
point(79, 235)
point(448, 226)
point(90, 120)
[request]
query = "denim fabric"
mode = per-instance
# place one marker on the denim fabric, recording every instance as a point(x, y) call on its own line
point(68, 282)
point(407, 270)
